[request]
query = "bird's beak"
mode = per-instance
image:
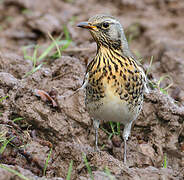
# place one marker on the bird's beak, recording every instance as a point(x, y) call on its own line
point(86, 25)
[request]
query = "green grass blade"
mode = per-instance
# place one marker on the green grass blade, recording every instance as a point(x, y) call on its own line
point(103, 146)
point(112, 127)
point(1, 99)
point(47, 51)
point(66, 32)
point(149, 68)
point(164, 90)
point(24, 49)
point(56, 44)
point(2, 136)
point(110, 136)
point(107, 132)
point(118, 128)
point(28, 73)
point(34, 56)
point(17, 119)
point(88, 166)
point(65, 46)
point(165, 161)
point(14, 172)
point(37, 68)
point(3, 147)
point(46, 162)
point(109, 174)
point(69, 171)
point(33, 70)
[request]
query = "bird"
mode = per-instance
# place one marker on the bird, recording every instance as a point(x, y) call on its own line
point(115, 81)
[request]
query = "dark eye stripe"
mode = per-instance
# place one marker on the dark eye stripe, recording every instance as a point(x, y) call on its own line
point(98, 26)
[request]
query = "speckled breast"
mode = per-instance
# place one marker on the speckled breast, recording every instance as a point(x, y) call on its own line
point(110, 107)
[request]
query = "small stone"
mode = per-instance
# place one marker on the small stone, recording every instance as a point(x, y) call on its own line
point(147, 150)
point(116, 140)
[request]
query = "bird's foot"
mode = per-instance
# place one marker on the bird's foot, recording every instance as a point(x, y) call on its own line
point(96, 149)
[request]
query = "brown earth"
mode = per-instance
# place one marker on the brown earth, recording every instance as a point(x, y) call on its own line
point(156, 28)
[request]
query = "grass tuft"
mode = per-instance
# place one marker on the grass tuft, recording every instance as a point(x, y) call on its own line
point(158, 83)
point(69, 171)
point(164, 90)
point(5, 97)
point(2, 136)
point(165, 161)
point(5, 143)
point(88, 166)
point(33, 58)
point(14, 172)
point(17, 119)
point(115, 129)
point(46, 162)
point(64, 46)
point(57, 44)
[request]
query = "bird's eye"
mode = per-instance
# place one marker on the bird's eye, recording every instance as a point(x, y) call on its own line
point(105, 25)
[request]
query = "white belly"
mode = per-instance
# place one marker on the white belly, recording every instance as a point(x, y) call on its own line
point(112, 108)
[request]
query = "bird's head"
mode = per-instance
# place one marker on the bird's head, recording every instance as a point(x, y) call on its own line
point(106, 31)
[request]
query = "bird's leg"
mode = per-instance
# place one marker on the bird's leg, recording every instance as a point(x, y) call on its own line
point(96, 126)
point(125, 148)
point(126, 134)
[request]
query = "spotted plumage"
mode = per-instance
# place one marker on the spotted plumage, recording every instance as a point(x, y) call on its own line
point(114, 81)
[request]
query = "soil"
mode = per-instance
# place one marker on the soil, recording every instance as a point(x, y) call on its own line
point(155, 28)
